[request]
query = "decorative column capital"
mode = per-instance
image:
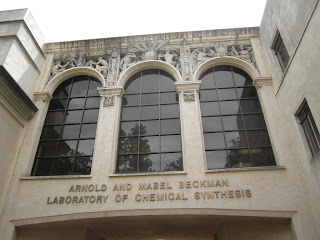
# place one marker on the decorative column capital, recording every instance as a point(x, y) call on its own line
point(103, 91)
point(188, 86)
point(109, 93)
point(259, 82)
point(42, 96)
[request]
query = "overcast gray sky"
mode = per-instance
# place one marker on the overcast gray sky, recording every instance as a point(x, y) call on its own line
point(66, 20)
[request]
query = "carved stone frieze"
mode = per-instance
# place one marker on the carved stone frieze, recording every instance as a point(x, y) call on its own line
point(186, 58)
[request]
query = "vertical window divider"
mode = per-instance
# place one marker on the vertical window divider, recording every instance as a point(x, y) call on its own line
point(241, 112)
point(139, 128)
point(159, 134)
point(222, 125)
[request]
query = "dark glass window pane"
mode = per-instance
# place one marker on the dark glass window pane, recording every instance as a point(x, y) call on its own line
point(93, 88)
point(85, 147)
point(248, 92)
point(207, 80)
point(129, 129)
point(63, 166)
point(208, 95)
point(171, 143)
point(150, 112)
point(150, 81)
point(58, 104)
point(54, 117)
point(79, 88)
point(171, 162)
point(131, 100)
point(252, 121)
point(82, 165)
point(241, 78)
point(127, 163)
point(170, 126)
point(128, 145)
point(262, 157)
point(171, 97)
point(70, 131)
point(91, 115)
point(223, 77)
point(211, 124)
point(134, 84)
point(150, 99)
point(149, 144)
point(50, 132)
point(166, 82)
point(73, 116)
point(63, 90)
point(76, 103)
point(44, 166)
point(239, 158)
point(232, 122)
point(209, 108)
point(214, 141)
point(130, 113)
point(236, 139)
point(88, 130)
point(248, 106)
point(169, 111)
point(258, 138)
point(67, 148)
point(227, 94)
point(149, 163)
point(149, 128)
point(230, 107)
point(216, 159)
point(47, 149)
point(93, 102)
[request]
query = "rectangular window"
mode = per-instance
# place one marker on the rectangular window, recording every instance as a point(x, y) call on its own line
point(280, 51)
point(310, 129)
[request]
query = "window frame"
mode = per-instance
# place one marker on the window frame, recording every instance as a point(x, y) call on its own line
point(280, 51)
point(159, 119)
point(245, 130)
point(311, 133)
point(62, 125)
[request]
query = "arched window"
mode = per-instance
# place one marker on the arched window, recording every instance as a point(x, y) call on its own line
point(149, 139)
point(67, 139)
point(234, 129)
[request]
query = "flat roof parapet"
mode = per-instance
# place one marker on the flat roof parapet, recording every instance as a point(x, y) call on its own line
point(175, 38)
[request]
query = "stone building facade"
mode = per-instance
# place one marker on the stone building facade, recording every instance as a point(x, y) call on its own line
point(191, 135)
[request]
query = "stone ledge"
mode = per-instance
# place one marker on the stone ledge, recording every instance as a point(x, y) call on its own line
point(245, 169)
point(55, 177)
point(152, 174)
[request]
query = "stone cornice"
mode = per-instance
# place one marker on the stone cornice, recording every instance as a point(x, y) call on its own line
point(14, 95)
point(185, 86)
point(175, 38)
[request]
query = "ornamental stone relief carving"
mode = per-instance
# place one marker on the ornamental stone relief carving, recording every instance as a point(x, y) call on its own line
point(189, 95)
point(184, 57)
